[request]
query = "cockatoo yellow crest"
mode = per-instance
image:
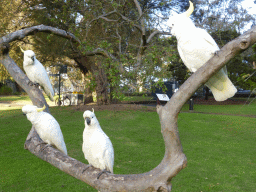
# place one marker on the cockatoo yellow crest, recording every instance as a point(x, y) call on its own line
point(195, 48)
point(46, 126)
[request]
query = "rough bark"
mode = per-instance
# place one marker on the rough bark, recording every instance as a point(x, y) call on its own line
point(102, 85)
point(174, 159)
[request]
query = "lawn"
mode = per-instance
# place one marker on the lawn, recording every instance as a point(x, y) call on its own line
point(245, 108)
point(14, 98)
point(220, 150)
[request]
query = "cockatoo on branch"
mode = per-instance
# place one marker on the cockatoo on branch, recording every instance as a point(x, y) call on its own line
point(97, 147)
point(46, 126)
point(196, 47)
point(37, 73)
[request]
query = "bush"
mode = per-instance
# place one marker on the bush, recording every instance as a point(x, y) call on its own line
point(4, 90)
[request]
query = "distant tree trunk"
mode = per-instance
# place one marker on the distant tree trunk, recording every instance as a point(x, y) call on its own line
point(206, 92)
point(88, 98)
point(102, 84)
point(112, 99)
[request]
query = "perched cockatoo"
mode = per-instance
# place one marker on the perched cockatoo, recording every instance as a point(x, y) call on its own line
point(196, 47)
point(46, 126)
point(97, 147)
point(37, 73)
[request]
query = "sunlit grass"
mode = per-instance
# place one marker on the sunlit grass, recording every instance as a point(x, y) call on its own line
point(245, 108)
point(220, 150)
point(15, 98)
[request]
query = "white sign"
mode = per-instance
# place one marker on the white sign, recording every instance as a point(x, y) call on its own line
point(162, 97)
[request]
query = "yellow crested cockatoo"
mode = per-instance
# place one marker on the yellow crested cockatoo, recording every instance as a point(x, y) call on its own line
point(46, 126)
point(37, 73)
point(195, 48)
point(97, 147)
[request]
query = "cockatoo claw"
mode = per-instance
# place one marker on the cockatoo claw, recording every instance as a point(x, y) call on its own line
point(40, 143)
point(30, 83)
point(103, 171)
point(45, 147)
point(216, 53)
point(36, 85)
point(86, 168)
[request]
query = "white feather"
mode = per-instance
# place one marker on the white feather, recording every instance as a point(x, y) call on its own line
point(196, 47)
point(97, 147)
point(37, 73)
point(46, 126)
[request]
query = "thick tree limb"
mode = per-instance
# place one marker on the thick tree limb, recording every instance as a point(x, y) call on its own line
point(174, 160)
point(20, 34)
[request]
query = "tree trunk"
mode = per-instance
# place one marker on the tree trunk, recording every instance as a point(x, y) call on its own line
point(206, 92)
point(102, 84)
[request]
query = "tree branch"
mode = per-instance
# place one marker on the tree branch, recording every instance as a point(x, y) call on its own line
point(20, 34)
point(174, 159)
point(143, 46)
point(111, 20)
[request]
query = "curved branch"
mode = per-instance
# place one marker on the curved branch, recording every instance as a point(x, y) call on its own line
point(20, 34)
point(100, 51)
point(111, 20)
point(143, 46)
point(174, 159)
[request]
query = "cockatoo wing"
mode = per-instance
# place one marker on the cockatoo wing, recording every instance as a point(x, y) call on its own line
point(41, 77)
point(49, 131)
point(196, 48)
point(98, 149)
point(109, 157)
point(208, 38)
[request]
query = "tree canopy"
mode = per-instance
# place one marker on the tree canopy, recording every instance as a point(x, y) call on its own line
point(122, 42)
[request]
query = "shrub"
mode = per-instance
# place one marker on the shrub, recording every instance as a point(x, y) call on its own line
point(4, 90)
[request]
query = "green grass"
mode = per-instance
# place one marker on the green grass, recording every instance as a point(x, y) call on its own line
point(220, 150)
point(21, 98)
point(243, 109)
point(15, 98)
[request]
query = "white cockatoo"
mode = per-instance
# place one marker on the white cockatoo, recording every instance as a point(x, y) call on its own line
point(46, 126)
point(97, 147)
point(196, 47)
point(37, 73)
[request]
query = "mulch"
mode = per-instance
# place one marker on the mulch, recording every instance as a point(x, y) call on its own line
point(211, 101)
point(151, 105)
point(114, 107)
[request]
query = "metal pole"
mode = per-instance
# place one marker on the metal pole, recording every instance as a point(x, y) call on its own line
point(59, 89)
point(191, 104)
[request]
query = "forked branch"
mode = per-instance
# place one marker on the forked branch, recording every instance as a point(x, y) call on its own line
point(174, 159)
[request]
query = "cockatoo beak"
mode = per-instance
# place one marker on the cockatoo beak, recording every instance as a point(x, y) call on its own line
point(33, 58)
point(88, 120)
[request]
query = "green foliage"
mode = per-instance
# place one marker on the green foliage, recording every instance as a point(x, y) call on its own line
point(4, 90)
